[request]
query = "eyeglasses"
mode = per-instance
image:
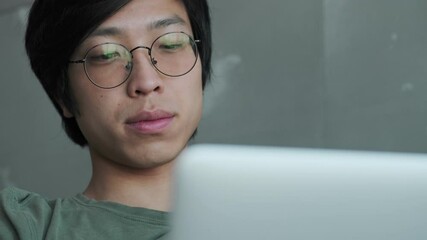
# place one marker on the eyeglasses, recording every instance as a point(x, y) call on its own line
point(108, 65)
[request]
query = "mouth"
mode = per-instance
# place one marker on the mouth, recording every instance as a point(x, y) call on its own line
point(150, 122)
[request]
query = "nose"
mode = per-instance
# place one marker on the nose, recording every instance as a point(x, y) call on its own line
point(144, 78)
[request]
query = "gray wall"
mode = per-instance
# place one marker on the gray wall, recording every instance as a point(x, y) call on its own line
point(332, 74)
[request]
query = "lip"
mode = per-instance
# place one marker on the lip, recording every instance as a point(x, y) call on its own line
point(150, 122)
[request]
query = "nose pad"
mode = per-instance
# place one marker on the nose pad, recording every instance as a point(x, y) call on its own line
point(154, 61)
point(129, 66)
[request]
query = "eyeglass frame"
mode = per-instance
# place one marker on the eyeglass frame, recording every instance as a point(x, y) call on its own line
point(152, 60)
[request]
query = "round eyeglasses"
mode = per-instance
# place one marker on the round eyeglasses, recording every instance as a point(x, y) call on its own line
point(108, 65)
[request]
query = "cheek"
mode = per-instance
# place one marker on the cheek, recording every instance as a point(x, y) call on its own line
point(97, 106)
point(92, 103)
point(186, 93)
point(193, 95)
point(97, 119)
point(76, 84)
point(86, 95)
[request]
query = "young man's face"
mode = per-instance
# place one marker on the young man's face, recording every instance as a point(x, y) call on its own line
point(149, 119)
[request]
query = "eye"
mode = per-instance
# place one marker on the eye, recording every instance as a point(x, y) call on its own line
point(172, 42)
point(108, 53)
point(172, 46)
point(103, 57)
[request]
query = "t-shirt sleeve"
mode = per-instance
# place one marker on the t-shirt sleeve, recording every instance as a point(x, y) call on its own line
point(15, 221)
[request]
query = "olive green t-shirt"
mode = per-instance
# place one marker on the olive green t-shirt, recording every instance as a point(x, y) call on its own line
point(25, 215)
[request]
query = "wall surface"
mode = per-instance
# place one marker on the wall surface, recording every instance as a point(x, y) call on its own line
point(376, 74)
point(332, 74)
point(268, 74)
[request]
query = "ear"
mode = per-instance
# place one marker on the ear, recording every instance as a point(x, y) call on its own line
point(65, 111)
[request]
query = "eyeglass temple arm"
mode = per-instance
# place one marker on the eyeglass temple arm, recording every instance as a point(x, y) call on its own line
point(78, 61)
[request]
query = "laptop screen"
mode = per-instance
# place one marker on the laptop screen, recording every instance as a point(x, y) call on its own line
point(248, 192)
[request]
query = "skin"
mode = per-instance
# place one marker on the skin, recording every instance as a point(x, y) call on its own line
point(131, 167)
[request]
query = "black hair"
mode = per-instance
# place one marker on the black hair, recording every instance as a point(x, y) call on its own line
point(57, 27)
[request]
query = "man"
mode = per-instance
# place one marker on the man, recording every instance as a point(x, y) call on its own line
point(127, 77)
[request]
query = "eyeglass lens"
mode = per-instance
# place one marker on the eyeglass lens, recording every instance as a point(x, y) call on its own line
point(109, 65)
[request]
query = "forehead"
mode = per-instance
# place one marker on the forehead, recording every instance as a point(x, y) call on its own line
point(142, 16)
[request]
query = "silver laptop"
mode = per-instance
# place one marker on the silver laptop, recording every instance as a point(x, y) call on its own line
point(246, 192)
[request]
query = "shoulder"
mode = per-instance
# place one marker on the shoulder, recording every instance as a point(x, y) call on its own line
point(27, 215)
point(15, 199)
point(21, 212)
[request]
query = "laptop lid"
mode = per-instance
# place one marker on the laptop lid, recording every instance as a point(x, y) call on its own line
point(247, 192)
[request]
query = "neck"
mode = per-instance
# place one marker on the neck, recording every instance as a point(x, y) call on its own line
point(147, 188)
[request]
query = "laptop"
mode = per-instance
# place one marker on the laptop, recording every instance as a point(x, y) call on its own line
point(252, 192)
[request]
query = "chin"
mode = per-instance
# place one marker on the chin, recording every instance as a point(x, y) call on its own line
point(153, 157)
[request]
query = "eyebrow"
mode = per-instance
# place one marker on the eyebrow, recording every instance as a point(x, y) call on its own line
point(162, 23)
point(158, 24)
point(108, 31)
